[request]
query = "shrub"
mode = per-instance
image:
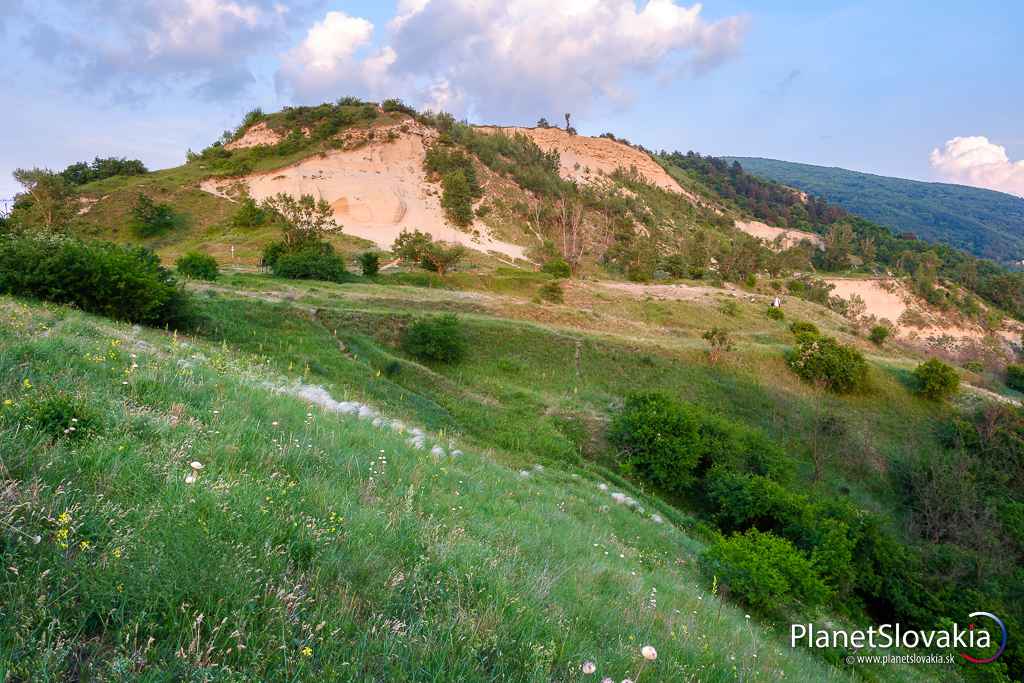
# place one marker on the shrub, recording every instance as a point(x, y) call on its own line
point(936, 380)
point(457, 198)
point(719, 342)
point(150, 219)
point(775, 313)
point(248, 215)
point(552, 291)
point(557, 267)
point(369, 262)
point(801, 327)
point(271, 252)
point(439, 339)
point(1015, 377)
point(122, 282)
point(878, 334)
point(311, 261)
point(420, 248)
point(823, 360)
point(398, 105)
point(729, 308)
point(59, 415)
point(766, 572)
point(657, 438)
point(198, 266)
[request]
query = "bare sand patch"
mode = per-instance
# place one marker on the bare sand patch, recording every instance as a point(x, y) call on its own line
point(376, 191)
point(790, 238)
point(256, 136)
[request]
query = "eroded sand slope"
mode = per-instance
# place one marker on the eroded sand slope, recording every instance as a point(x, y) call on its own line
point(376, 190)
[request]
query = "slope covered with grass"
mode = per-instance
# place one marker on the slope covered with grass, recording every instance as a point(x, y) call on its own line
point(315, 545)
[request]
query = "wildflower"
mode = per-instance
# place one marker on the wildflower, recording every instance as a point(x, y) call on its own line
point(607, 680)
point(117, 553)
point(307, 651)
point(84, 545)
point(588, 668)
point(627, 680)
point(649, 653)
point(8, 402)
point(64, 518)
point(25, 383)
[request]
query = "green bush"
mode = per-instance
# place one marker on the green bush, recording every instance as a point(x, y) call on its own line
point(823, 360)
point(457, 198)
point(729, 308)
point(150, 219)
point(766, 572)
point(1015, 377)
point(439, 339)
point(198, 266)
point(122, 282)
point(369, 263)
point(775, 313)
point(670, 443)
point(248, 215)
point(799, 327)
point(936, 380)
point(552, 291)
point(558, 267)
point(310, 261)
point(58, 415)
point(878, 334)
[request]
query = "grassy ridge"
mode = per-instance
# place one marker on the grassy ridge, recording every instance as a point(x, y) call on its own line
point(314, 546)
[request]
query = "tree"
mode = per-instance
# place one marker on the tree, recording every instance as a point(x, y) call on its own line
point(303, 220)
point(420, 248)
point(838, 245)
point(150, 219)
point(457, 198)
point(936, 380)
point(48, 202)
point(543, 123)
point(570, 228)
point(369, 261)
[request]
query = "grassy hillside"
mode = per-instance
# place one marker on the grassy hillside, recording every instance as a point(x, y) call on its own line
point(316, 545)
point(983, 222)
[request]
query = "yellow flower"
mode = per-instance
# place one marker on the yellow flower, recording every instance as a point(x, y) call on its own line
point(64, 519)
point(25, 383)
point(307, 651)
point(117, 553)
point(84, 545)
point(8, 402)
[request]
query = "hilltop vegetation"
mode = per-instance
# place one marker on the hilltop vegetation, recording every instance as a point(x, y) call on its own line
point(982, 222)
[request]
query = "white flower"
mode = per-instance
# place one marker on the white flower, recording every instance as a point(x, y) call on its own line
point(603, 487)
point(588, 668)
point(607, 680)
point(196, 465)
point(627, 680)
point(649, 653)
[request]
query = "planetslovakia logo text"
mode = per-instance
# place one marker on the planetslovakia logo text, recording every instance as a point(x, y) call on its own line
point(887, 636)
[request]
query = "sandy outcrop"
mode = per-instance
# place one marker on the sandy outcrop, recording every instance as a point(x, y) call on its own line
point(790, 238)
point(587, 160)
point(376, 190)
point(256, 136)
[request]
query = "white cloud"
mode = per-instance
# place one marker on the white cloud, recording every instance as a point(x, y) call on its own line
point(976, 161)
point(521, 58)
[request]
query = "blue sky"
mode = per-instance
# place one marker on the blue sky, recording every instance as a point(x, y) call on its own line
point(868, 85)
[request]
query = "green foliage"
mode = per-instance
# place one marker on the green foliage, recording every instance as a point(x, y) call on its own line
point(249, 215)
point(935, 380)
point(198, 266)
point(823, 360)
point(799, 327)
point(308, 261)
point(719, 341)
point(557, 267)
point(765, 571)
point(84, 172)
point(1015, 377)
point(126, 283)
point(303, 220)
point(457, 198)
point(150, 219)
point(58, 415)
point(729, 308)
point(439, 339)
point(775, 313)
point(369, 263)
point(394, 104)
point(552, 291)
point(670, 443)
point(421, 249)
point(879, 334)
point(48, 202)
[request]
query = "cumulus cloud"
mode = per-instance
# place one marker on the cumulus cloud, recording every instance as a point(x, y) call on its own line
point(498, 58)
point(144, 45)
point(976, 161)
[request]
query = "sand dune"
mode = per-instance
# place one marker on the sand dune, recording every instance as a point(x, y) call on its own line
point(769, 234)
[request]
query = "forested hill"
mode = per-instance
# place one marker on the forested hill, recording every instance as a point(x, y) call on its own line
point(983, 222)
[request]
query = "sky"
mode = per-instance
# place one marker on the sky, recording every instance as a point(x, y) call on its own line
point(927, 90)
